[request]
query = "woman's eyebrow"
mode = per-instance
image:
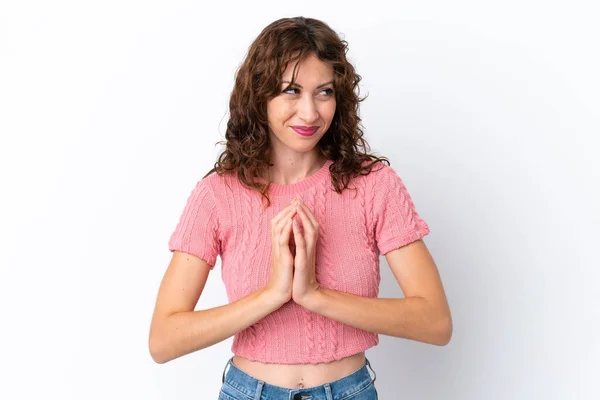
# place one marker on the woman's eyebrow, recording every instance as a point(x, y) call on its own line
point(321, 85)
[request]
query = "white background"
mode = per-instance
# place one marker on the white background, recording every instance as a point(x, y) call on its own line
point(489, 111)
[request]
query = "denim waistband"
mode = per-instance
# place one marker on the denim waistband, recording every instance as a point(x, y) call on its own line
point(253, 388)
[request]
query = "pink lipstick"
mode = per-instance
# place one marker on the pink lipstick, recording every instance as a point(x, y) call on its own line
point(305, 130)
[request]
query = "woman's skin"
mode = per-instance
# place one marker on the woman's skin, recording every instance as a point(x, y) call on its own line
point(422, 315)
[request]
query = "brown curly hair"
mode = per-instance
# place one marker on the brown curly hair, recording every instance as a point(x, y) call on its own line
point(259, 79)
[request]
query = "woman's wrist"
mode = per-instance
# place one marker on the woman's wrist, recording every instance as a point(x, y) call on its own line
point(272, 299)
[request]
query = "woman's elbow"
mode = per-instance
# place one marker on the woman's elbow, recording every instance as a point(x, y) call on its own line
point(158, 345)
point(156, 348)
point(443, 331)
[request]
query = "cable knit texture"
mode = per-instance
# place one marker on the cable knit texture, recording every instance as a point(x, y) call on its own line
point(223, 218)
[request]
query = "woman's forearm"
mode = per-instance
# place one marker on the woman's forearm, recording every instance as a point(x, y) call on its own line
point(185, 332)
point(411, 317)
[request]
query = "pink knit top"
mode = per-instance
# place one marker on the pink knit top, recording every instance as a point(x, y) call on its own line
point(223, 218)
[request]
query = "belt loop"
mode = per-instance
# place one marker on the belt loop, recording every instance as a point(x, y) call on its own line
point(374, 373)
point(328, 394)
point(225, 369)
point(259, 388)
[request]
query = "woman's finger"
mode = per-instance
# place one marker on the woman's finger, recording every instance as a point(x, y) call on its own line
point(306, 221)
point(284, 237)
point(283, 224)
point(309, 214)
point(279, 221)
point(298, 238)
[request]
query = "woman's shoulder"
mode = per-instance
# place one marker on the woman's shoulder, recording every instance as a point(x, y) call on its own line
point(216, 180)
point(223, 185)
point(374, 172)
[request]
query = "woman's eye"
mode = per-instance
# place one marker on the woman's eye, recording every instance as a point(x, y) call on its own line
point(327, 91)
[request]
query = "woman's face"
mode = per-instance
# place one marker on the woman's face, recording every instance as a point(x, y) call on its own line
point(309, 104)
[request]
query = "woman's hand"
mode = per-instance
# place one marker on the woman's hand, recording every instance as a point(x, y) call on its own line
point(282, 259)
point(305, 283)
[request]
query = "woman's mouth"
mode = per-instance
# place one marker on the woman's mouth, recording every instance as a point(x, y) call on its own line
point(305, 130)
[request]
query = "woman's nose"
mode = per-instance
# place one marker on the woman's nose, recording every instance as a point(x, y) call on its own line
point(307, 110)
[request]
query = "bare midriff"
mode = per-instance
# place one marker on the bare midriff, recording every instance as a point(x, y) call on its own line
point(294, 376)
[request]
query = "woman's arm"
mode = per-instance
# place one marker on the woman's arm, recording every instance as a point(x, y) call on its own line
point(177, 329)
point(423, 314)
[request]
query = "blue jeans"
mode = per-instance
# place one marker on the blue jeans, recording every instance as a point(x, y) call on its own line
point(237, 385)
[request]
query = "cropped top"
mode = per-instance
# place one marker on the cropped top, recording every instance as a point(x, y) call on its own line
point(224, 218)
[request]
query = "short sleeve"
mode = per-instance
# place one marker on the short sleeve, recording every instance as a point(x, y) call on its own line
point(396, 220)
point(197, 231)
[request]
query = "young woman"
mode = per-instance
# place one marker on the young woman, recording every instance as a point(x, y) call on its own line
point(299, 214)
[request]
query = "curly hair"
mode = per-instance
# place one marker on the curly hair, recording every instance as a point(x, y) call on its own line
point(259, 79)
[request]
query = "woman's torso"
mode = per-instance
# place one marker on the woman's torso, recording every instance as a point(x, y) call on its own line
point(300, 375)
point(245, 246)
